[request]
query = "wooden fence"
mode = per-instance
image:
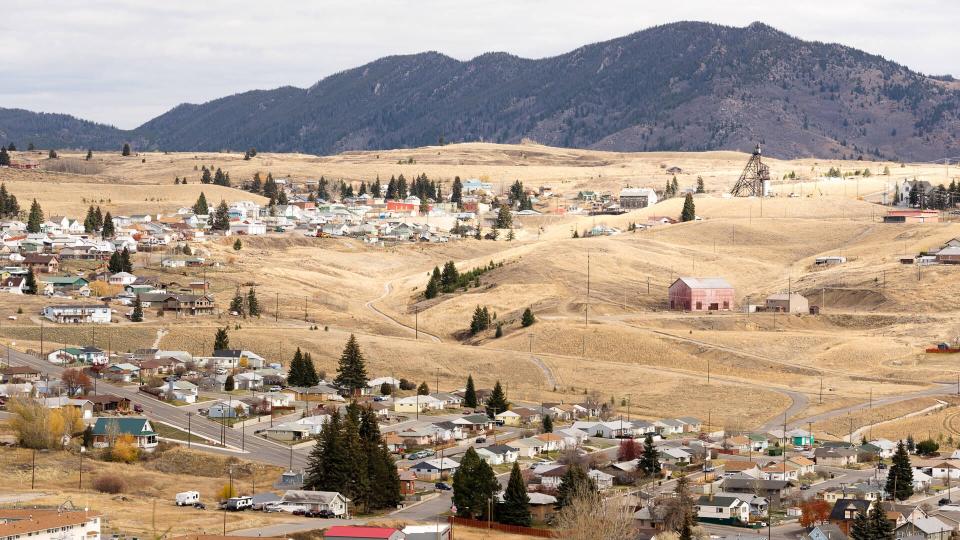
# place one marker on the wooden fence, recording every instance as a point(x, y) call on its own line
point(493, 525)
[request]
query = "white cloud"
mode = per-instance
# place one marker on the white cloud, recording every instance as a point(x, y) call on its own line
point(125, 62)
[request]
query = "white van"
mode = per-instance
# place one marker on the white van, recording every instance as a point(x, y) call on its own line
point(188, 498)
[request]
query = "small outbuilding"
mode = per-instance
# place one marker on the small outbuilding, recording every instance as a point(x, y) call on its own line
point(788, 303)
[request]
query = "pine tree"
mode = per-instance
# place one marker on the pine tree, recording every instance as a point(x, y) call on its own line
point(89, 222)
point(474, 485)
point(89, 155)
point(700, 185)
point(689, 212)
point(381, 469)
point(137, 315)
point(200, 207)
point(237, 245)
point(229, 384)
point(432, 290)
point(4, 157)
point(351, 372)
point(497, 401)
point(881, 528)
point(126, 265)
point(860, 528)
point(35, 220)
point(221, 341)
point(236, 304)
point(900, 474)
point(205, 177)
point(423, 389)
point(573, 482)
point(547, 424)
point(126, 150)
point(449, 277)
point(528, 319)
point(282, 197)
point(674, 186)
point(221, 220)
point(650, 460)
point(98, 219)
point(456, 192)
point(115, 265)
point(296, 375)
point(30, 283)
point(253, 304)
point(515, 509)
point(310, 376)
point(504, 218)
point(470, 394)
point(108, 230)
point(327, 464)
point(498, 333)
point(480, 320)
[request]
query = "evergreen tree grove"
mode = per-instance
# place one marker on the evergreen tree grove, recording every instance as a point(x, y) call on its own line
point(474, 486)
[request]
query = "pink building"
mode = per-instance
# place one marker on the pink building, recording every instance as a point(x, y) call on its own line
point(701, 294)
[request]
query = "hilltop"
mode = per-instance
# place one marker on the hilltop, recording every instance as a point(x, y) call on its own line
point(684, 86)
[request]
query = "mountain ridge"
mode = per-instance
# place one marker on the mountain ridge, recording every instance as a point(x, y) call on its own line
point(679, 86)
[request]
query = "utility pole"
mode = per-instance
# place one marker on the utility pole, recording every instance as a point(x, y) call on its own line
point(416, 323)
point(276, 312)
point(586, 311)
point(189, 432)
point(821, 387)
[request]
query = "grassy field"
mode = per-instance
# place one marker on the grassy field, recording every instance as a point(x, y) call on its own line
point(618, 341)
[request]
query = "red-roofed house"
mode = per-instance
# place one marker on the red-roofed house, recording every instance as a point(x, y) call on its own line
point(338, 532)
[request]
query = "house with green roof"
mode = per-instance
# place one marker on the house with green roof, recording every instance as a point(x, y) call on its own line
point(107, 429)
point(54, 284)
point(78, 355)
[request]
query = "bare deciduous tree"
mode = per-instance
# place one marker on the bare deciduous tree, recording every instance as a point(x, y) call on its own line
point(590, 517)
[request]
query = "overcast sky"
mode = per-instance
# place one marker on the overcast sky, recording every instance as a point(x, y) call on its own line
point(124, 62)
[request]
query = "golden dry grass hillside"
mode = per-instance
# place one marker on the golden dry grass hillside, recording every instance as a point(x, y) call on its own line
point(619, 340)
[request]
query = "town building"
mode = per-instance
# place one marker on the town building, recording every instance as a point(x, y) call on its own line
point(701, 294)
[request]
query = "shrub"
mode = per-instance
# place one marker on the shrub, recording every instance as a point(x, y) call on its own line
point(109, 484)
point(407, 385)
point(125, 449)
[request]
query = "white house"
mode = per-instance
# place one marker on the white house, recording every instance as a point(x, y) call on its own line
point(433, 469)
point(317, 501)
point(89, 313)
point(121, 278)
point(602, 479)
point(887, 447)
point(228, 409)
point(418, 403)
point(723, 507)
point(528, 448)
point(248, 227)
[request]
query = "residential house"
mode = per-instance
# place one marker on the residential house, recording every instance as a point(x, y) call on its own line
point(78, 355)
point(13, 285)
point(108, 403)
point(418, 403)
point(726, 509)
point(436, 531)
point(474, 423)
point(50, 285)
point(355, 532)
point(105, 431)
point(553, 477)
point(845, 511)
point(19, 374)
point(435, 469)
point(508, 418)
point(451, 401)
point(781, 471)
point(572, 437)
point(601, 479)
point(552, 442)
point(835, 457)
point(496, 454)
point(228, 409)
point(317, 501)
point(90, 313)
point(38, 262)
point(49, 524)
point(632, 198)
point(84, 406)
point(925, 528)
point(529, 447)
point(772, 490)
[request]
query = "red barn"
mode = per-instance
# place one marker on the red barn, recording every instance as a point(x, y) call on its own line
point(701, 294)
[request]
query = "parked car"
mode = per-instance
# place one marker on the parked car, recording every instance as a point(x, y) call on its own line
point(442, 486)
point(481, 440)
point(275, 388)
point(427, 453)
point(325, 514)
point(804, 487)
point(943, 501)
point(199, 506)
point(137, 407)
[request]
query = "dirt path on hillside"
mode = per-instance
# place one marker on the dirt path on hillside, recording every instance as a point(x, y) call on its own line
point(371, 305)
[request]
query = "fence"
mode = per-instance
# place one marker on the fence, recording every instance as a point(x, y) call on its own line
point(512, 529)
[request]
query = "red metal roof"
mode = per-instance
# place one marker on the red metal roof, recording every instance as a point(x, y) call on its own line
point(348, 531)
